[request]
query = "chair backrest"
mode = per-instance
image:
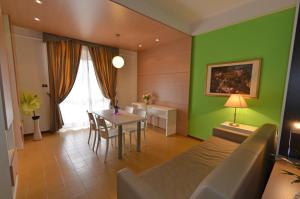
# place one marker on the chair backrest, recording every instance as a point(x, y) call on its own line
point(91, 120)
point(140, 112)
point(129, 109)
point(139, 106)
point(102, 128)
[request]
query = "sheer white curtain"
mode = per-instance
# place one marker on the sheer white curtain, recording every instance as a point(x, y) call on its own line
point(85, 95)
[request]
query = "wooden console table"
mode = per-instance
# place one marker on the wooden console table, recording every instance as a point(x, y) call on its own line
point(163, 112)
point(242, 128)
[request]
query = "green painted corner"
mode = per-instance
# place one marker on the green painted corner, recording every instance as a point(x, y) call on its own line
point(266, 37)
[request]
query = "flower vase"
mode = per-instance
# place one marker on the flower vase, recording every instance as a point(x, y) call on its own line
point(116, 109)
point(37, 135)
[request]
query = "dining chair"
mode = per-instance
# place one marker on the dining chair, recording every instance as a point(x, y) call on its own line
point(93, 127)
point(142, 113)
point(106, 133)
point(132, 128)
point(129, 109)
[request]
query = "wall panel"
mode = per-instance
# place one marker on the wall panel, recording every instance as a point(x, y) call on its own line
point(165, 71)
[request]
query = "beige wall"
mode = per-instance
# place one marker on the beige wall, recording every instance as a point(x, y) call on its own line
point(16, 137)
point(5, 180)
point(165, 71)
point(127, 79)
point(6, 87)
point(32, 72)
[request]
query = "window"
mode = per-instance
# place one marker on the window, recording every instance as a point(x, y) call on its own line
point(85, 95)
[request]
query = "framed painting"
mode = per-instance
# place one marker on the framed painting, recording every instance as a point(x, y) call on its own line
point(241, 77)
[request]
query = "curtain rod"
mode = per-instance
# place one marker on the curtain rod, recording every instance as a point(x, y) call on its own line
point(53, 37)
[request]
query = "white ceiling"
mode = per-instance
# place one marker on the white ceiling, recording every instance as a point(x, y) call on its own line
point(197, 16)
point(95, 21)
point(99, 20)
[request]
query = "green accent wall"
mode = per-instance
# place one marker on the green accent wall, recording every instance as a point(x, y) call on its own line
point(266, 37)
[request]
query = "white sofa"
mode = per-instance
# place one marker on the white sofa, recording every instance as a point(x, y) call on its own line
point(218, 168)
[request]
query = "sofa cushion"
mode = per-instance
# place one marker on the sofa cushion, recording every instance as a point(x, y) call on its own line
point(179, 177)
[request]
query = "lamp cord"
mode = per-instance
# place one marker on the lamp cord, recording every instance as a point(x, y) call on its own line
point(289, 150)
point(234, 119)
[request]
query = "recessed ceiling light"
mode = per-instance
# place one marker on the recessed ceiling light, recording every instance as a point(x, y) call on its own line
point(36, 19)
point(140, 45)
point(38, 1)
point(157, 40)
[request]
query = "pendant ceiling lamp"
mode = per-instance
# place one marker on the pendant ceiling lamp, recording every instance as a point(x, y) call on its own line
point(118, 61)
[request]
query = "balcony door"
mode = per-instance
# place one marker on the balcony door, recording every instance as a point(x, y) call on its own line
point(85, 95)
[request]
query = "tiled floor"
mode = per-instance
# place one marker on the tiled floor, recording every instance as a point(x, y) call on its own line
point(64, 166)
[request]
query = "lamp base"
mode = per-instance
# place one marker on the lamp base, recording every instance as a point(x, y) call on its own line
point(234, 124)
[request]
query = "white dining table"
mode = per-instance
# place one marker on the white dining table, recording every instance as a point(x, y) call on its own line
point(119, 120)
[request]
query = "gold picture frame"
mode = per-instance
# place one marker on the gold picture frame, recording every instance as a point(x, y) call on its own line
point(240, 77)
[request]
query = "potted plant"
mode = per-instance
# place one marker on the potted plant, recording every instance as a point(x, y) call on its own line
point(296, 177)
point(29, 103)
point(147, 98)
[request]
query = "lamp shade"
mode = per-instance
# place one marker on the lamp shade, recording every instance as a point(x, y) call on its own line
point(236, 101)
point(118, 62)
point(296, 127)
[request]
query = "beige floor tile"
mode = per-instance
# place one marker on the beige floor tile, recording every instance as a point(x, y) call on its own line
point(63, 166)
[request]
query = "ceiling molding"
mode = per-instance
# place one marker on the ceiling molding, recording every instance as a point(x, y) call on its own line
point(245, 12)
point(27, 33)
point(240, 12)
point(154, 12)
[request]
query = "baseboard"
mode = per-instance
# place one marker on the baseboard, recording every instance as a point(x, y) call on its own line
point(30, 134)
point(196, 138)
point(15, 188)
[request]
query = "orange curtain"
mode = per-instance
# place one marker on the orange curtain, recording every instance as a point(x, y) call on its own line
point(106, 73)
point(63, 63)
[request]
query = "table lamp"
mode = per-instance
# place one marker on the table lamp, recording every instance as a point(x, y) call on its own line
point(235, 101)
point(294, 130)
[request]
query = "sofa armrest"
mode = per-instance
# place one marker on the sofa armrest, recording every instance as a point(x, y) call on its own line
point(245, 172)
point(130, 186)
